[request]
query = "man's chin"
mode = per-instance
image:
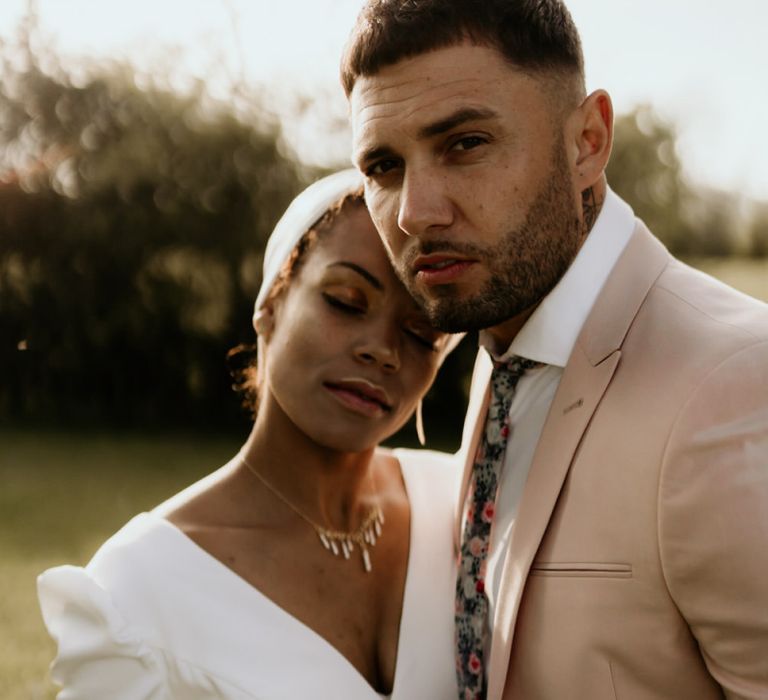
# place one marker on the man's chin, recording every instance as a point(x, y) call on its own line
point(438, 302)
point(460, 317)
point(454, 314)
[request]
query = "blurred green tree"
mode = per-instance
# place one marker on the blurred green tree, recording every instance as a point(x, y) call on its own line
point(132, 223)
point(645, 170)
point(759, 231)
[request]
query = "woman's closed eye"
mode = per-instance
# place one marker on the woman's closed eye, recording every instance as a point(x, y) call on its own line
point(346, 303)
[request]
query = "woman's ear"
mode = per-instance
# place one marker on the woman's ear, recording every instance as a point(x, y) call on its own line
point(591, 138)
point(264, 322)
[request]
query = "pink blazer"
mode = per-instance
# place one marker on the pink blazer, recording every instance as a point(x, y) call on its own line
point(638, 564)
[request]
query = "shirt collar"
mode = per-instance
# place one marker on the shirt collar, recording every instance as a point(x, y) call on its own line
point(550, 334)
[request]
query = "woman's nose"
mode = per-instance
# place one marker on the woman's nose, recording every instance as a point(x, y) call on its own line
point(380, 349)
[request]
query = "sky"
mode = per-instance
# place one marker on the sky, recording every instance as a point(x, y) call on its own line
point(701, 65)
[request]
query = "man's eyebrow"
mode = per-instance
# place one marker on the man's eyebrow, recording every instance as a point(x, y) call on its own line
point(465, 114)
point(374, 154)
point(459, 117)
point(360, 271)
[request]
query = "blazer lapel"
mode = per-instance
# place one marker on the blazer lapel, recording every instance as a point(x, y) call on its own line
point(585, 379)
point(577, 397)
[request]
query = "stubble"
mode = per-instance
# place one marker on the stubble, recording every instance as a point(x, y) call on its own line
point(523, 267)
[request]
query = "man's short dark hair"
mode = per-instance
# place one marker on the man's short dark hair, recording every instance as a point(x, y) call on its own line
point(533, 35)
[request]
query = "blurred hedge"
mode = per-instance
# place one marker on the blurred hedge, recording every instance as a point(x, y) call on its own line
point(132, 224)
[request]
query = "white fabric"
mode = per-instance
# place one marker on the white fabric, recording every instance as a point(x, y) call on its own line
point(154, 617)
point(299, 217)
point(549, 336)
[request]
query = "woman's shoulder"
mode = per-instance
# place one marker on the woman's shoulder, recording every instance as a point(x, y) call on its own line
point(130, 621)
point(88, 613)
point(431, 459)
point(430, 476)
point(99, 649)
point(145, 543)
point(129, 570)
point(430, 465)
point(105, 650)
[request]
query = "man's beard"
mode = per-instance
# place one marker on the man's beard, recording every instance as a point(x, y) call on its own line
point(523, 266)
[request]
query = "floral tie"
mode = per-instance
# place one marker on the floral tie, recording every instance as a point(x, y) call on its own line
point(471, 600)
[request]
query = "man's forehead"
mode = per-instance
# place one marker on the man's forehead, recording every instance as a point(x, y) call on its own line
point(431, 70)
point(408, 100)
point(460, 72)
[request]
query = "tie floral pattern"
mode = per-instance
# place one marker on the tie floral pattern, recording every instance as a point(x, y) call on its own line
point(471, 599)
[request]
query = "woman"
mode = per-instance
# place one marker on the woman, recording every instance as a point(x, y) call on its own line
point(314, 564)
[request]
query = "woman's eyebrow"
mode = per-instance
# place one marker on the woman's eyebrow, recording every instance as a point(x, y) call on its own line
point(360, 271)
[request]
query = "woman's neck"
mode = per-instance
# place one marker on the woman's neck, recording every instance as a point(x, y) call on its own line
point(330, 487)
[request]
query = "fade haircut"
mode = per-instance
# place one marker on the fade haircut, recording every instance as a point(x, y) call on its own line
point(536, 36)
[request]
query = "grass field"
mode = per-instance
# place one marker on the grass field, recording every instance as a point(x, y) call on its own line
point(61, 495)
point(748, 276)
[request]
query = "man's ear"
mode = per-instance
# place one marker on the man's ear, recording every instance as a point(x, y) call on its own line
point(264, 322)
point(591, 138)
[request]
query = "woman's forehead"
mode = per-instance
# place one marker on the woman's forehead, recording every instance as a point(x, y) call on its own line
point(353, 236)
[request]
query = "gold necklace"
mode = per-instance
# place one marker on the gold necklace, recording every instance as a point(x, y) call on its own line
point(337, 541)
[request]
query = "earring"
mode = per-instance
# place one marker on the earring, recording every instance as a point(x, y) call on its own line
point(262, 321)
point(420, 425)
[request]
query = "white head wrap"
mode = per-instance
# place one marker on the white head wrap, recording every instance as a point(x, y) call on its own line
point(302, 213)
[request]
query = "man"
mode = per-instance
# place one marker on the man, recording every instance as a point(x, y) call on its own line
point(627, 482)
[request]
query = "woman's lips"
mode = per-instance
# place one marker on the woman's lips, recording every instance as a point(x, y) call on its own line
point(360, 396)
point(440, 269)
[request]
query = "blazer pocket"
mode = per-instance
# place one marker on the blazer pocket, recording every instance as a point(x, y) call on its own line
point(578, 569)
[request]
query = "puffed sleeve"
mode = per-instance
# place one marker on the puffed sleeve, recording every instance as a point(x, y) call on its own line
point(100, 654)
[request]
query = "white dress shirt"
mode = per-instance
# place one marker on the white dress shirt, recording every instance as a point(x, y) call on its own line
point(548, 337)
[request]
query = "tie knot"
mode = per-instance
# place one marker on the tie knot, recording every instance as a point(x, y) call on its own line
point(515, 367)
point(506, 375)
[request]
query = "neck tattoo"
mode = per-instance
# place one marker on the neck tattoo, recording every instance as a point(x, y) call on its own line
point(591, 207)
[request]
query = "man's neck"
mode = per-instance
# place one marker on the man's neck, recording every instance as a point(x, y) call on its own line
point(504, 333)
point(592, 200)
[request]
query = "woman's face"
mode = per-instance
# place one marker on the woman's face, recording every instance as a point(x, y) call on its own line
point(348, 352)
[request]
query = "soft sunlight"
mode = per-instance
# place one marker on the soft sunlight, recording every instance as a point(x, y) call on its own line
point(699, 65)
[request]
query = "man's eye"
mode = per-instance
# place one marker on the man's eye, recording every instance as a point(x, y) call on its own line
point(467, 143)
point(382, 167)
point(348, 308)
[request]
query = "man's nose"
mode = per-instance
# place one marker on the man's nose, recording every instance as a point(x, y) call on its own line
point(424, 202)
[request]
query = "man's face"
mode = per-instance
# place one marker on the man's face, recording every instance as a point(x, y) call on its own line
point(468, 183)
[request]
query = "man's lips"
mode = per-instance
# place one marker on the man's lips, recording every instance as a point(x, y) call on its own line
point(360, 395)
point(440, 269)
